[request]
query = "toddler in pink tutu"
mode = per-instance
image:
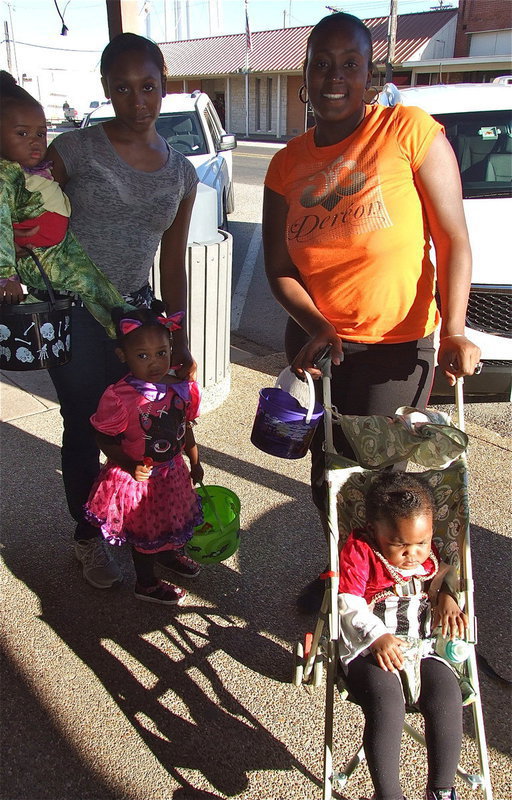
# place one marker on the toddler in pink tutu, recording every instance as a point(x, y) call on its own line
point(144, 494)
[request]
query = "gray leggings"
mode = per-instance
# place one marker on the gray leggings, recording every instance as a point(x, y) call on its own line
point(379, 694)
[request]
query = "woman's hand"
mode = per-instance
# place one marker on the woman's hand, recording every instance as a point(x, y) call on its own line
point(457, 356)
point(448, 615)
point(183, 364)
point(387, 650)
point(305, 360)
point(11, 293)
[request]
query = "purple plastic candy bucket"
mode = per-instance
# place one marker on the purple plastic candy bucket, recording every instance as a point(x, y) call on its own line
point(282, 426)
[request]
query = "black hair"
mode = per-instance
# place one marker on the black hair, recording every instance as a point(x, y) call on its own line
point(129, 42)
point(398, 495)
point(11, 93)
point(148, 317)
point(333, 20)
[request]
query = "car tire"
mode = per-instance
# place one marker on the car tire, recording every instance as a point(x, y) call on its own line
point(224, 222)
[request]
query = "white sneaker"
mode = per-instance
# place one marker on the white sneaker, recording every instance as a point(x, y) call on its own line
point(98, 567)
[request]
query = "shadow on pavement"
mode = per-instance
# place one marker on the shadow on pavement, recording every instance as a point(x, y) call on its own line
point(169, 671)
point(34, 750)
point(162, 667)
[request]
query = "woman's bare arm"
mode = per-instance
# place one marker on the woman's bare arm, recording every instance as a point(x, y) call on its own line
point(438, 183)
point(173, 281)
point(58, 169)
point(288, 289)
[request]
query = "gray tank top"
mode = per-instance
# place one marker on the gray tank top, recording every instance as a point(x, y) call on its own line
point(119, 213)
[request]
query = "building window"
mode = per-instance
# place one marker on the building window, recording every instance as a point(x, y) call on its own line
point(257, 120)
point(269, 104)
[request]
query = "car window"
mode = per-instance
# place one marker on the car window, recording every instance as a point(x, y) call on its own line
point(213, 128)
point(183, 132)
point(482, 141)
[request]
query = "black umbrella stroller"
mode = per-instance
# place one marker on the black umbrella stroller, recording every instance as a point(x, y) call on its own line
point(430, 442)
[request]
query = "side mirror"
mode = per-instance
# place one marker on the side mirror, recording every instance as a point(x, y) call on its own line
point(227, 142)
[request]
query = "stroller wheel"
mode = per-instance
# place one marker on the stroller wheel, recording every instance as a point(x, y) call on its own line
point(318, 669)
point(298, 672)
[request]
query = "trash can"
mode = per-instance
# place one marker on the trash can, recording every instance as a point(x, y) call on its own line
point(208, 265)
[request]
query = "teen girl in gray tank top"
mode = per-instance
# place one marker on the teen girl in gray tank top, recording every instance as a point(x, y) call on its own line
point(119, 213)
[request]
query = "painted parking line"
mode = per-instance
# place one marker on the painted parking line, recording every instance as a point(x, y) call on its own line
point(245, 277)
point(251, 155)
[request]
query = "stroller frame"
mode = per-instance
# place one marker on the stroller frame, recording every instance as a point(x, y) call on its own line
point(320, 647)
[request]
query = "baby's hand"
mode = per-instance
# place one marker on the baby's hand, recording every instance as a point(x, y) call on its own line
point(387, 650)
point(142, 472)
point(448, 615)
point(196, 473)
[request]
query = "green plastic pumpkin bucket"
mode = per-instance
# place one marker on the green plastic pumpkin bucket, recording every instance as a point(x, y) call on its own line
point(219, 535)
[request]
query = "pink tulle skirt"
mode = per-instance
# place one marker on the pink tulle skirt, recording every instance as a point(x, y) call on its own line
point(152, 515)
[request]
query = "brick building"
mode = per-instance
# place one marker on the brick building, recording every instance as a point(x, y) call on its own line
point(483, 27)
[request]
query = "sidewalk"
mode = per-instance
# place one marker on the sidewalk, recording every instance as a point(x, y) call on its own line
point(104, 697)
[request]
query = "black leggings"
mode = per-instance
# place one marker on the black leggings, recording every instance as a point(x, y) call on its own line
point(371, 379)
point(144, 564)
point(379, 694)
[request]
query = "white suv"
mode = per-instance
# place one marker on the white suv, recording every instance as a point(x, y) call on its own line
point(478, 122)
point(190, 123)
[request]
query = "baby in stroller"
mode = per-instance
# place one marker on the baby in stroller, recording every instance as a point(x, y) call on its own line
point(393, 591)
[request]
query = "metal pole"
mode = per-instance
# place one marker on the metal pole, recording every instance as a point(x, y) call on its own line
point(278, 116)
point(390, 57)
point(177, 21)
point(7, 46)
point(14, 45)
point(247, 104)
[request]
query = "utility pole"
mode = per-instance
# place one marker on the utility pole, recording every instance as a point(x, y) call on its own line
point(390, 57)
point(13, 41)
point(7, 46)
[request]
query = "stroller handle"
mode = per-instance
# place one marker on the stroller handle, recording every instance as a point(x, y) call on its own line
point(459, 403)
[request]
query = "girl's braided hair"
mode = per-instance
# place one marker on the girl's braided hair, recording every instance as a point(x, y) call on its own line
point(11, 93)
point(398, 495)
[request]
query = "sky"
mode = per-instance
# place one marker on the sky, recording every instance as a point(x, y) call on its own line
point(38, 22)
point(37, 50)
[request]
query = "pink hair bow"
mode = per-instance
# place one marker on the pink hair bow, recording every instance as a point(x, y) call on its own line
point(172, 323)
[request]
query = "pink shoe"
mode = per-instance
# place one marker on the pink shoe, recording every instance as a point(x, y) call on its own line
point(167, 594)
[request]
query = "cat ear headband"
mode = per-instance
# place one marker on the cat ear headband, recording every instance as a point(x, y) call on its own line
point(172, 323)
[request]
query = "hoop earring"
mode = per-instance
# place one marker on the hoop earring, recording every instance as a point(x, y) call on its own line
point(371, 95)
point(303, 91)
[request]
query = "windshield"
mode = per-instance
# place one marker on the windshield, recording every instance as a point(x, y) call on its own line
point(183, 132)
point(181, 129)
point(482, 141)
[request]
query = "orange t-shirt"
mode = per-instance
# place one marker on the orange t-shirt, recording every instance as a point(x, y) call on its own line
point(355, 227)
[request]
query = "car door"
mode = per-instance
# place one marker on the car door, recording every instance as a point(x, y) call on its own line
point(220, 164)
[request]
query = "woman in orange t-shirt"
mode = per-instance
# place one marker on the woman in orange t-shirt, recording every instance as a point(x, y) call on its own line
point(349, 209)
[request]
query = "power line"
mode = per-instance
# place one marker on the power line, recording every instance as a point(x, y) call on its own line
point(58, 49)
